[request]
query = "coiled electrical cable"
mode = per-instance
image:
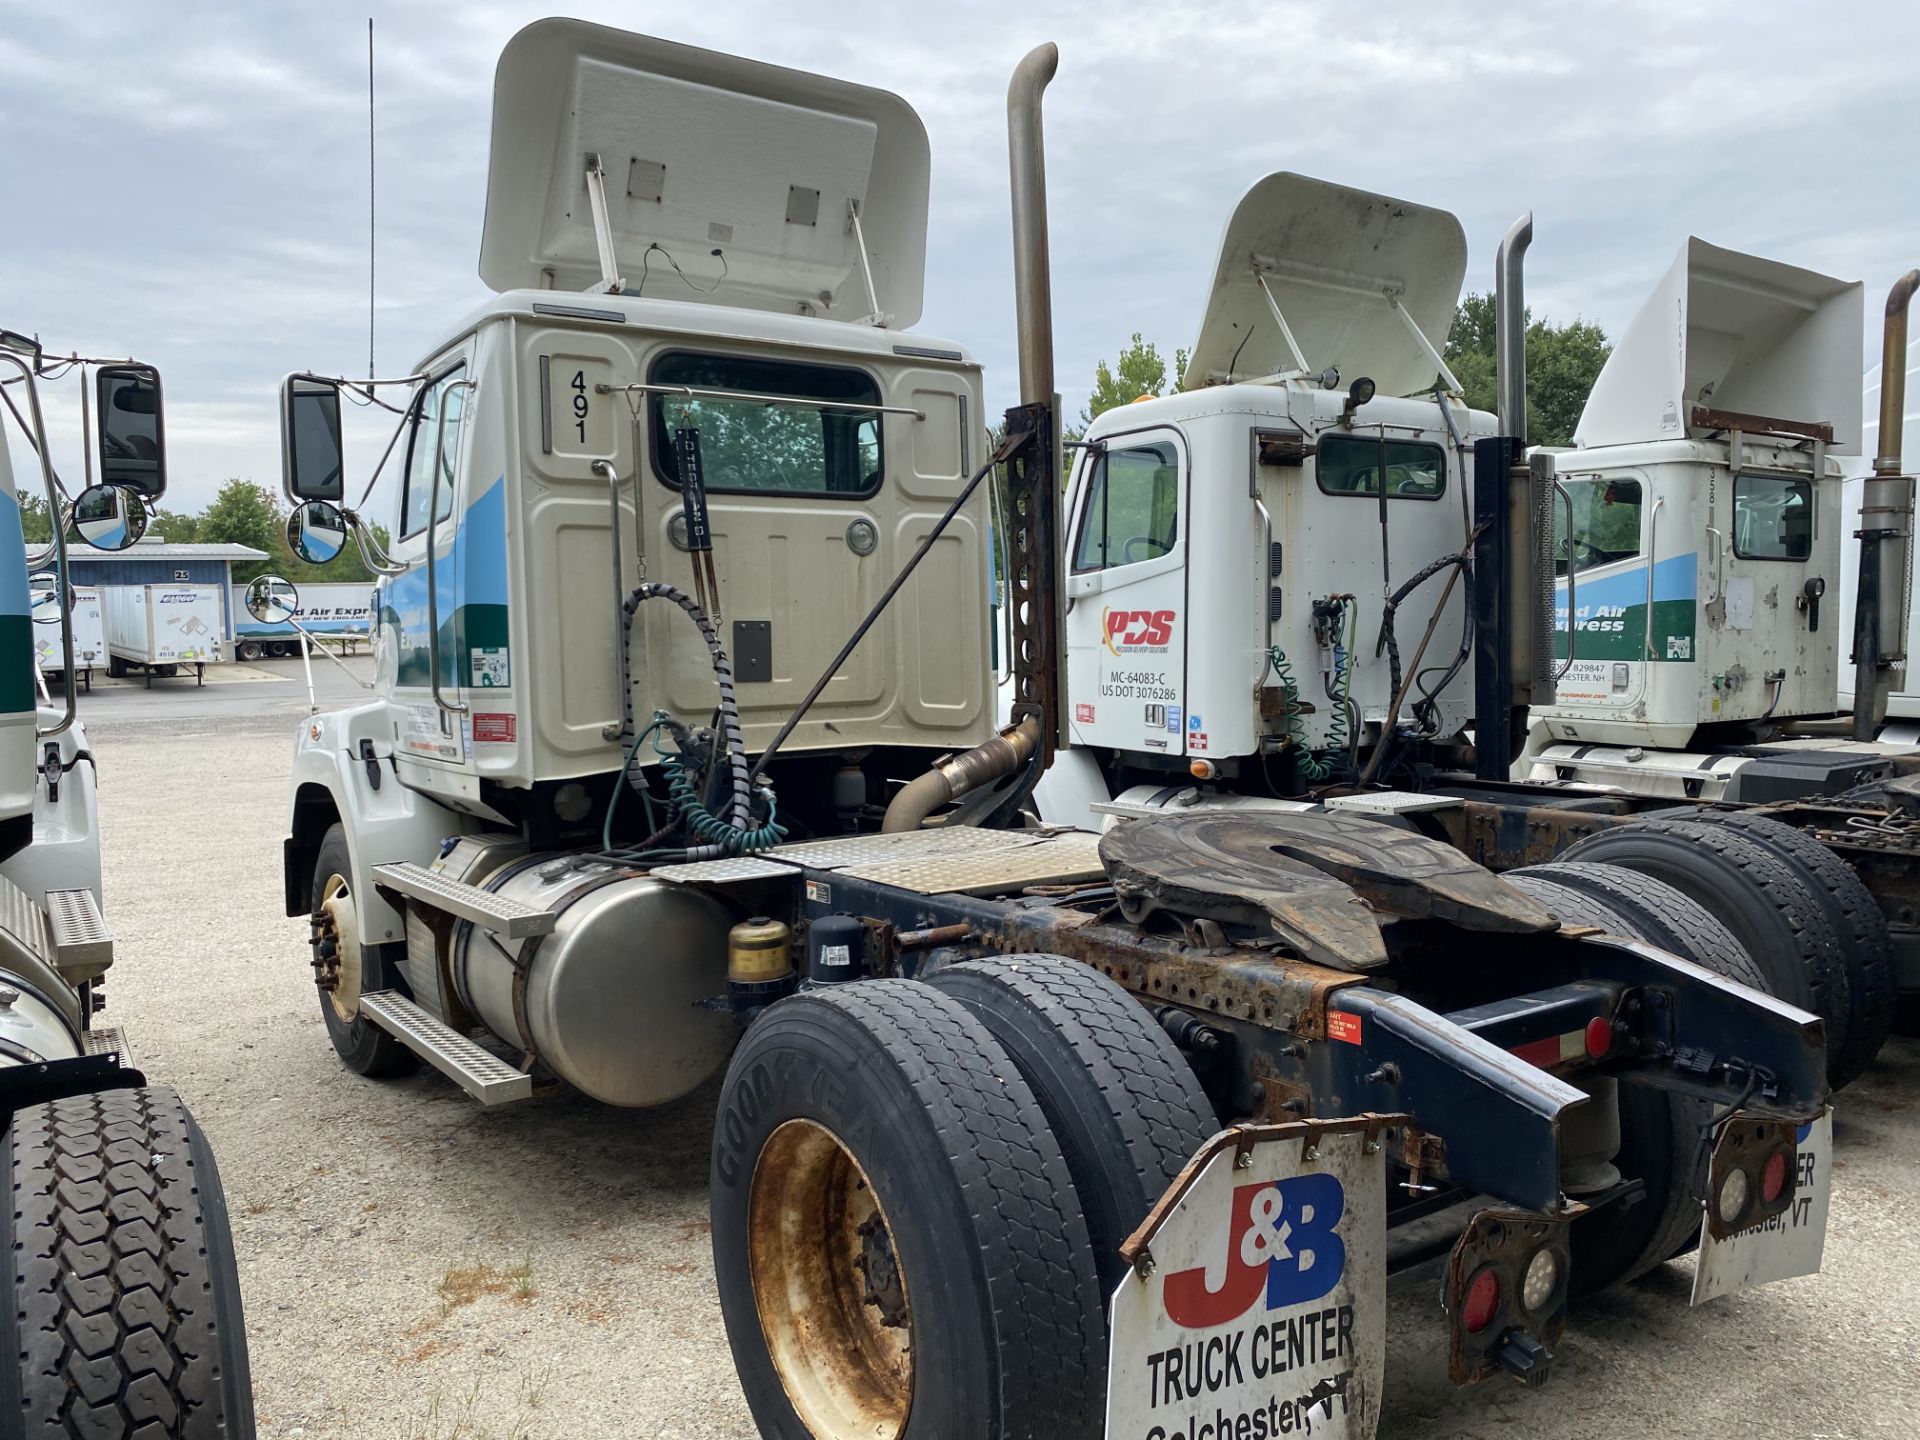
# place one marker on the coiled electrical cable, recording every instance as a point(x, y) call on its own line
point(736, 832)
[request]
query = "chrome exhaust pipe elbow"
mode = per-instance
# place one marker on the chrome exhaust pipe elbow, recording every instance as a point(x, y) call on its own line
point(1027, 166)
point(1510, 326)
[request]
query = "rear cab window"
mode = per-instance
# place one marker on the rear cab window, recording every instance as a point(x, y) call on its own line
point(769, 427)
point(1352, 464)
point(1772, 517)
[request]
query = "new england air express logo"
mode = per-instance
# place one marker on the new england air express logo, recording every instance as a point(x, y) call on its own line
point(1127, 632)
point(1281, 1247)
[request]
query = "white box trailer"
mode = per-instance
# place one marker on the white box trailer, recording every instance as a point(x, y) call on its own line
point(89, 629)
point(342, 613)
point(159, 628)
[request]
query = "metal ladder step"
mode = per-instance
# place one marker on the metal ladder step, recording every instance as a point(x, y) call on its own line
point(107, 1040)
point(77, 934)
point(478, 1071)
point(484, 908)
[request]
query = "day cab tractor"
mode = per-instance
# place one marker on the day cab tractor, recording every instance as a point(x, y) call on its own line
point(1284, 586)
point(119, 1298)
point(683, 761)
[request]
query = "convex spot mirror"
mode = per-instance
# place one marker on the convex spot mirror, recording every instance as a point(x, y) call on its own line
point(43, 598)
point(311, 458)
point(272, 600)
point(131, 428)
point(109, 517)
point(317, 532)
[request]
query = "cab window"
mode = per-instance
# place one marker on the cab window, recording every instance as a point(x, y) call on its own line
point(448, 395)
point(762, 443)
point(1351, 465)
point(1772, 517)
point(1606, 524)
point(1132, 509)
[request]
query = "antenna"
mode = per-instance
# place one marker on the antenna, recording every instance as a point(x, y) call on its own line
point(370, 192)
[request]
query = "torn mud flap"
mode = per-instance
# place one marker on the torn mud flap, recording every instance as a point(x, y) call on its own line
point(1256, 1302)
point(1769, 1185)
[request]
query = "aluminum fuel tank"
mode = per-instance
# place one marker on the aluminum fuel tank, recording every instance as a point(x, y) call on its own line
point(610, 1000)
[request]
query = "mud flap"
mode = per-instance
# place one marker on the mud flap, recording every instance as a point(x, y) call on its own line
point(1256, 1302)
point(1768, 1241)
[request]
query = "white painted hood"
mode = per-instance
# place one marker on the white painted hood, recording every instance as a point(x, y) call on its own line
point(702, 152)
point(1732, 332)
point(1337, 261)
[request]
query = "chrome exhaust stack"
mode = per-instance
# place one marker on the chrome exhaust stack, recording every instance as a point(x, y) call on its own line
point(1513, 594)
point(1032, 275)
point(1885, 535)
point(1510, 327)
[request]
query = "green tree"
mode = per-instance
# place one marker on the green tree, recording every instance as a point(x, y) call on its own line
point(1140, 370)
point(244, 513)
point(34, 523)
point(1563, 361)
point(174, 527)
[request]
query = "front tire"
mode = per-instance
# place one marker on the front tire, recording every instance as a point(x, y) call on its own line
point(345, 969)
point(898, 1248)
point(121, 1298)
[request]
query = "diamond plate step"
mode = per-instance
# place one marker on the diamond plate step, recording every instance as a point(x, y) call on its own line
point(489, 911)
point(108, 1040)
point(76, 931)
point(478, 1071)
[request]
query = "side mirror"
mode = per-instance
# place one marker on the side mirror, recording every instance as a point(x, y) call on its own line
point(272, 600)
point(109, 517)
point(133, 438)
point(44, 598)
point(311, 457)
point(316, 531)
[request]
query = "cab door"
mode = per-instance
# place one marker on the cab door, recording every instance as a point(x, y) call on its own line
point(1127, 596)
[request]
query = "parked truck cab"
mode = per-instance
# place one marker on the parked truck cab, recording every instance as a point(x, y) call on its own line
point(682, 759)
point(123, 1311)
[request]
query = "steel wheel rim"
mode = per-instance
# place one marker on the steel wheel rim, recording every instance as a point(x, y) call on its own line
point(337, 924)
point(817, 1243)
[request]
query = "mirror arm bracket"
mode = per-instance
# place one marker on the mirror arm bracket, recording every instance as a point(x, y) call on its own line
point(59, 542)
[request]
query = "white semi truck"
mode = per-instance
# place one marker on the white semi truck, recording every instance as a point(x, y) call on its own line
point(683, 758)
point(122, 1315)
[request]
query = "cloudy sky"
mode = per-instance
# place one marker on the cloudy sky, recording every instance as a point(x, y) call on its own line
point(187, 183)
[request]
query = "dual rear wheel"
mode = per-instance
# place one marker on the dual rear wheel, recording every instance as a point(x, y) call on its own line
point(919, 1191)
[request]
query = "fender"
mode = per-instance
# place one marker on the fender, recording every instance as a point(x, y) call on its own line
point(387, 823)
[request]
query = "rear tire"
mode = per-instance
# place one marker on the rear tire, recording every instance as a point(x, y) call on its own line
point(887, 1098)
point(250, 650)
point(1661, 1143)
point(1126, 1108)
point(1856, 917)
point(122, 1302)
point(1770, 908)
point(362, 1046)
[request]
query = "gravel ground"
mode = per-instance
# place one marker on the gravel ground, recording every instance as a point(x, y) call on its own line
point(416, 1266)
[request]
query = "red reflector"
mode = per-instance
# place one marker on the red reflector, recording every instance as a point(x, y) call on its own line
point(1773, 1178)
point(1482, 1302)
point(1599, 1037)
